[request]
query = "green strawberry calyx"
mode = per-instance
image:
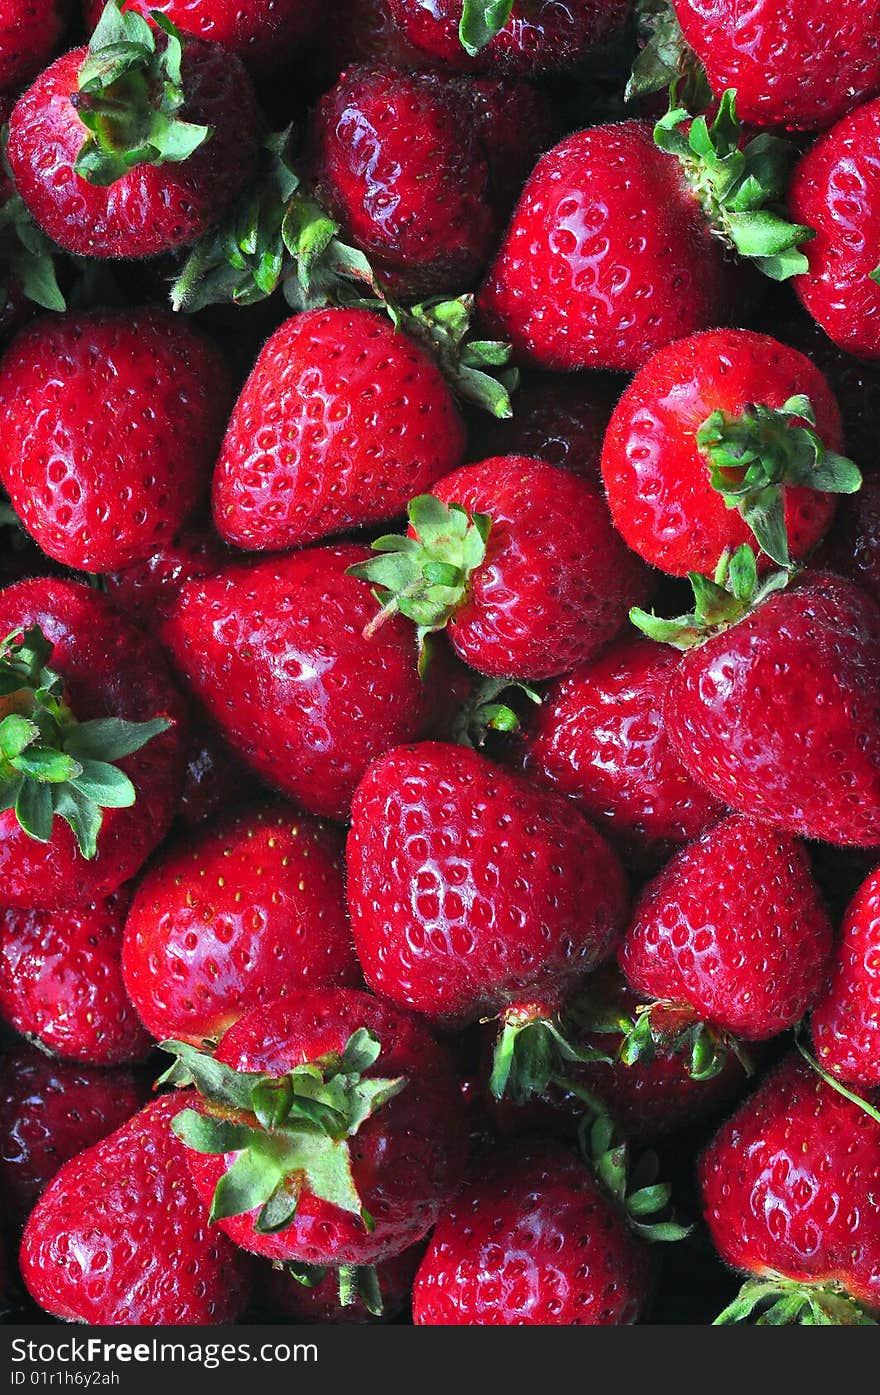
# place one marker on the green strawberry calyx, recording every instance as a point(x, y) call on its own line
point(665, 58)
point(130, 97)
point(27, 255)
point(290, 1133)
point(495, 707)
point(532, 1052)
point(51, 765)
point(479, 371)
point(776, 1301)
point(719, 601)
point(754, 454)
point(740, 187)
point(480, 21)
point(358, 1283)
point(662, 1028)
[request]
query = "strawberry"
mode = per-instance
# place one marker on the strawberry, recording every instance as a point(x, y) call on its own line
point(119, 1236)
point(29, 35)
point(49, 1112)
point(91, 749)
point(341, 421)
point(137, 144)
point(599, 736)
point(720, 437)
point(730, 941)
point(774, 707)
point(786, 1192)
point(92, 408)
point(472, 895)
point(290, 1084)
point(275, 652)
point(148, 589)
point(61, 982)
point(518, 560)
point(291, 1300)
point(560, 418)
point(250, 909)
point(846, 1019)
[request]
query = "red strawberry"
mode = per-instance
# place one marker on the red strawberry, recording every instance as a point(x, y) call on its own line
point(93, 409)
point(148, 589)
point(264, 33)
point(118, 1236)
point(136, 145)
point(250, 909)
point(49, 1112)
point(61, 982)
point(599, 736)
point(292, 1301)
point(558, 418)
point(342, 1066)
point(519, 560)
point(720, 437)
point(473, 894)
point(92, 746)
point(275, 652)
point(846, 1019)
point(341, 421)
point(786, 1188)
point(29, 35)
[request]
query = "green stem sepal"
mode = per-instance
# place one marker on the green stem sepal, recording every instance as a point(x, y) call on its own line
point(780, 1302)
point(532, 1052)
point(664, 1028)
point(719, 601)
point(480, 21)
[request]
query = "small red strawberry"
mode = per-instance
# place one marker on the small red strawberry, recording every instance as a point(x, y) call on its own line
point(787, 1187)
point(560, 418)
point(29, 35)
point(274, 651)
point(148, 589)
point(518, 560)
point(292, 1300)
point(846, 1019)
point(92, 746)
point(119, 1236)
point(720, 437)
point(136, 145)
point(93, 409)
point(250, 909)
point(327, 1132)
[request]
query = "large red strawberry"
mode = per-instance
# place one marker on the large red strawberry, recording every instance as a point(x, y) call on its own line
point(264, 33)
point(328, 1131)
point(119, 1236)
point(560, 418)
point(787, 1187)
point(846, 1019)
point(473, 895)
point(29, 35)
point(92, 746)
point(721, 437)
point(136, 145)
point(249, 910)
point(275, 652)
point(388, 1293)
point(518, 560)
point(93, 410)
point(341, 421)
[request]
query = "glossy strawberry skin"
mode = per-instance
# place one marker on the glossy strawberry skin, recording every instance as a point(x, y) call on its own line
point(342, 420)
point(148, 589)
point(556, 584)
point(264, 33)
point(657, 479)
point(791, 65)
point(407, 1158)
point(785, 1184)
point(110, 669)
point(607, 258)
point(29, 35)
point(560, 418)
point(734, 926)
point(153, 208)
point(470, 891)
point(531, 1241)
point(274, 650)
point(778, 716)
point(835, 189)
point(295, 1302)
point(119, 1236)
point(49, 1112)
point(599, 736)
point(250, 910)
point(94, 409)
point(846, 1019)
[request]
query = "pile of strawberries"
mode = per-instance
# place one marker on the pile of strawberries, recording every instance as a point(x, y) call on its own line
point(436, 768)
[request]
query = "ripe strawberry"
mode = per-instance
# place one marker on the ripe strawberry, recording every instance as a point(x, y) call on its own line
point(93, 408)
point(136, 145)
point(599, 736)
point(92, 746)
point(250, 909)
point(118, 1236)
point(341, 421)
point(720, 437)
point(340, 1066)
point(264, 33)
point(49, 1112)
point(560, 418)
point(473, 895)
point(291, 1300)
point(275, 652)
point(786, 1188)
point(148, 589)
point(518, 560)
point(846, 1019)
point(29, 35)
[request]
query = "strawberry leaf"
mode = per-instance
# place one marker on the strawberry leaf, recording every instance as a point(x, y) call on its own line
point(719, 602)
point(665, 58)
point(480, 21)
